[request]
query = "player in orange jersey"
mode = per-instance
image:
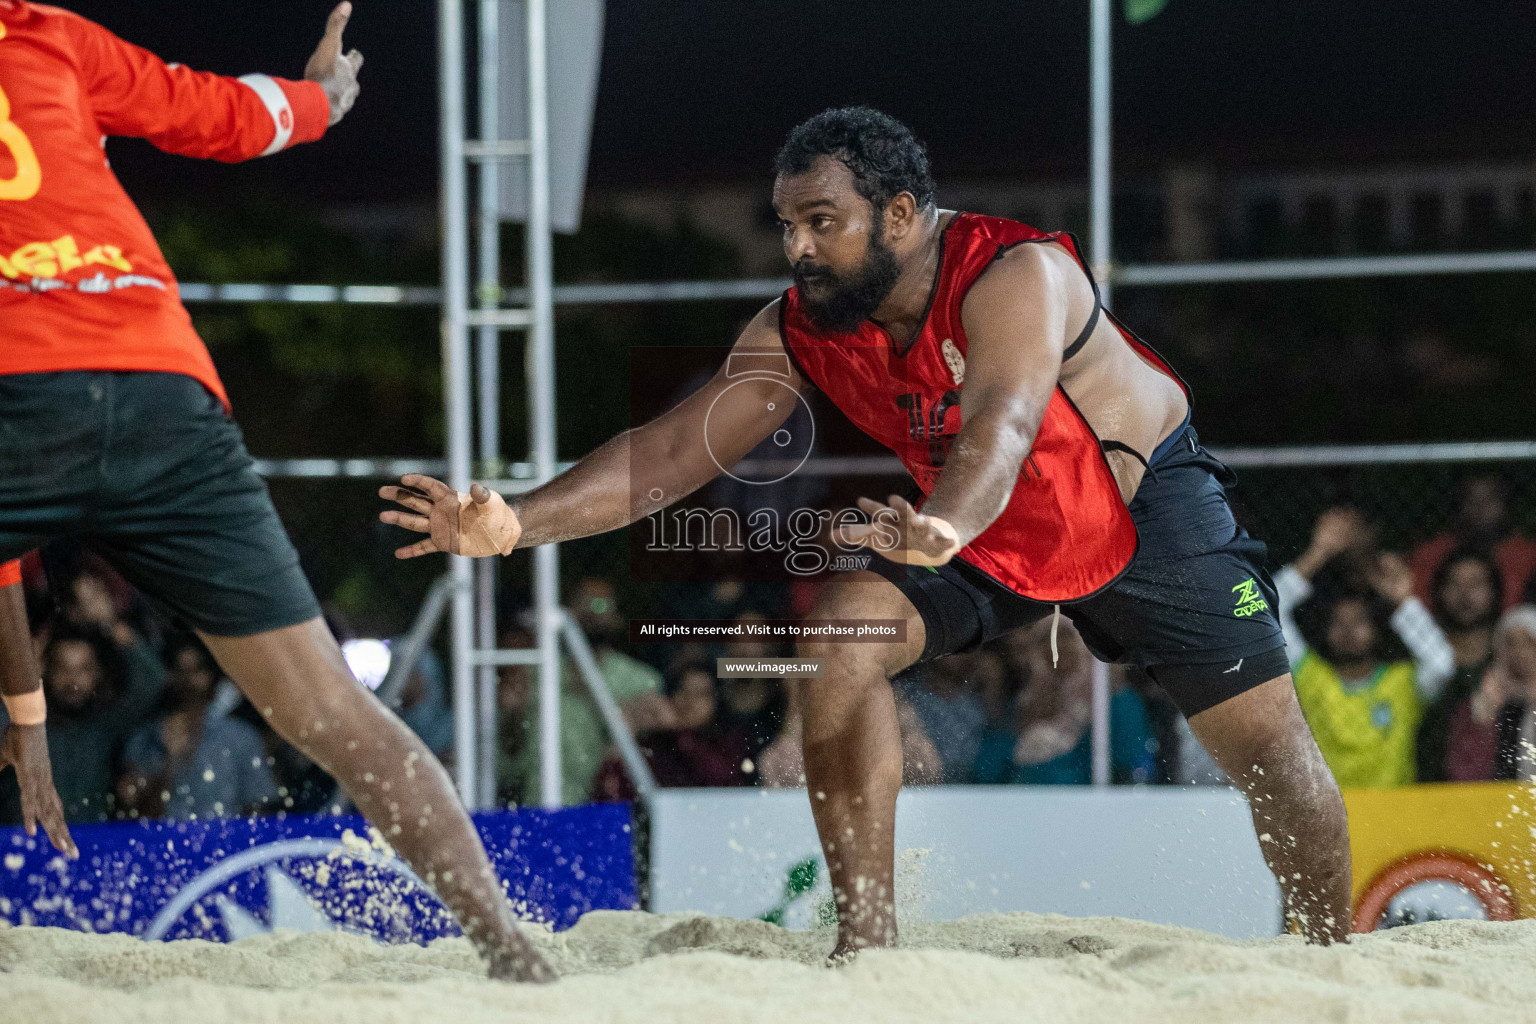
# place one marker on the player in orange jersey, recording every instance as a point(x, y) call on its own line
point(115, 429)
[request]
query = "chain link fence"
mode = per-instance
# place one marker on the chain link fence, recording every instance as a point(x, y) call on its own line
point(1420, 502)
point(1411, 502)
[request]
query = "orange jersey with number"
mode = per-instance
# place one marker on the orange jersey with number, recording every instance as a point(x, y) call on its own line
point(83, 286)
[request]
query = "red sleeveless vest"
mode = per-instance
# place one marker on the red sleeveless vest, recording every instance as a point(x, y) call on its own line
point(1065, 533)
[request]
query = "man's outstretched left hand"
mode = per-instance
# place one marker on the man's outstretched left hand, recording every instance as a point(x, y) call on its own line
point(332, 70)
point(476, 524)
point(901, 533)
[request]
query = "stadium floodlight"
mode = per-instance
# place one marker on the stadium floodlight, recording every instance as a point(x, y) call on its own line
point(368, 659)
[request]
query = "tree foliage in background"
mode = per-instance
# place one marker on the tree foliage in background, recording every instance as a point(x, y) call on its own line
point(331, 380)
point(313, 379)
point(1139, 11)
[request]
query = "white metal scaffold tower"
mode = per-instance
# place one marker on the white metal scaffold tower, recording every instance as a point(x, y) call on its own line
point(473, 635)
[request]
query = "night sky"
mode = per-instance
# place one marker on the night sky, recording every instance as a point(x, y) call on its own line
point(693, 90)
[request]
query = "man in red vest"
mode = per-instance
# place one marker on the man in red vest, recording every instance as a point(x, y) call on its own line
point(1060, 473)
point(114, 426)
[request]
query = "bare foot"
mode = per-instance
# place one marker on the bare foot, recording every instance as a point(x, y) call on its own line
point(519, 961)
point(849, 947)
point(843, 955)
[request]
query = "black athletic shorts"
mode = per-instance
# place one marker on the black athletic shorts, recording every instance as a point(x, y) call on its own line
point(1196, 608)
point(150, 472)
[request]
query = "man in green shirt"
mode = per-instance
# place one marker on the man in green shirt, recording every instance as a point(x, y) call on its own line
point(1363, 708)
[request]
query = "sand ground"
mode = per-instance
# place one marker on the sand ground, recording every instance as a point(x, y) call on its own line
point(641, 967)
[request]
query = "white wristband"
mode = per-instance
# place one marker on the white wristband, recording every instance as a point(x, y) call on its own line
point(26, 708)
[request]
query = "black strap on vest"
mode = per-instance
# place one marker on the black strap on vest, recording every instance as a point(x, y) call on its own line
point(1093, 321)
point(1082, 339)
point(1098, 302)
point(1118, 446)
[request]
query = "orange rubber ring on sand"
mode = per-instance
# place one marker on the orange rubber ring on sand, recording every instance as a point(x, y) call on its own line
point(1431, 866)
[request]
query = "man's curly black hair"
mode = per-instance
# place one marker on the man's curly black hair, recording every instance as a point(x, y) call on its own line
point(885, 157)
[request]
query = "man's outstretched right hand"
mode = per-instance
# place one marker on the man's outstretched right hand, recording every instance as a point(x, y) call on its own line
point(476, 524)
point(334, 71)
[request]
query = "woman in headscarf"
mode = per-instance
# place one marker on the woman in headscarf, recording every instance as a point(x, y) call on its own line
point(1493, 735)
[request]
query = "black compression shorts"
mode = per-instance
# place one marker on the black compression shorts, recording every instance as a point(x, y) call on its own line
point(1196, 608)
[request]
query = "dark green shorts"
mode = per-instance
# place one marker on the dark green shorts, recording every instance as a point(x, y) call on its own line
point(150, 472)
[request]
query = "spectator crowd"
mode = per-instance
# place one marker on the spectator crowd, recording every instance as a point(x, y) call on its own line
point(1417, 669)
point(1410, 667)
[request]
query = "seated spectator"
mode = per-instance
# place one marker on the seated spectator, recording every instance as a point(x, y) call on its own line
point(693, 748)
point(195, 761)
point(1055, 743)
point(700, 749)
point(584, 740)
point(1493, 733)
point(724, 598)
point(1364, 707)
point(718, 600)
point(1053, 713)
point(945, 698)
point(783, 760)
point(1465, 601)
point(595, 606)
point(96, 599)
point(1483, 523)
point(100, 686)
point(754, 707)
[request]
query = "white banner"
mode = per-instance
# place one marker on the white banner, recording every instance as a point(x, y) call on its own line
point(575, 43)
point(1182, 856)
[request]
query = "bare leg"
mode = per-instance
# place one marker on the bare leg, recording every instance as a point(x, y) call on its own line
point(1261, 740)
point(297, 678)
point(853, 757)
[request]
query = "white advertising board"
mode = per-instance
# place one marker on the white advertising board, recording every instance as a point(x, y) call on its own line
point(1182, 856)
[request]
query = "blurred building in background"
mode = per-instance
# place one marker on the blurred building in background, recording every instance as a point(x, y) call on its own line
point(1188, 212)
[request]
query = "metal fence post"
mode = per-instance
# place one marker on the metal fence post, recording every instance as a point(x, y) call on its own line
point(541, 387)
point(1100, 726)
point(488, 218)
point(1100, 187)
point(455, 326)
